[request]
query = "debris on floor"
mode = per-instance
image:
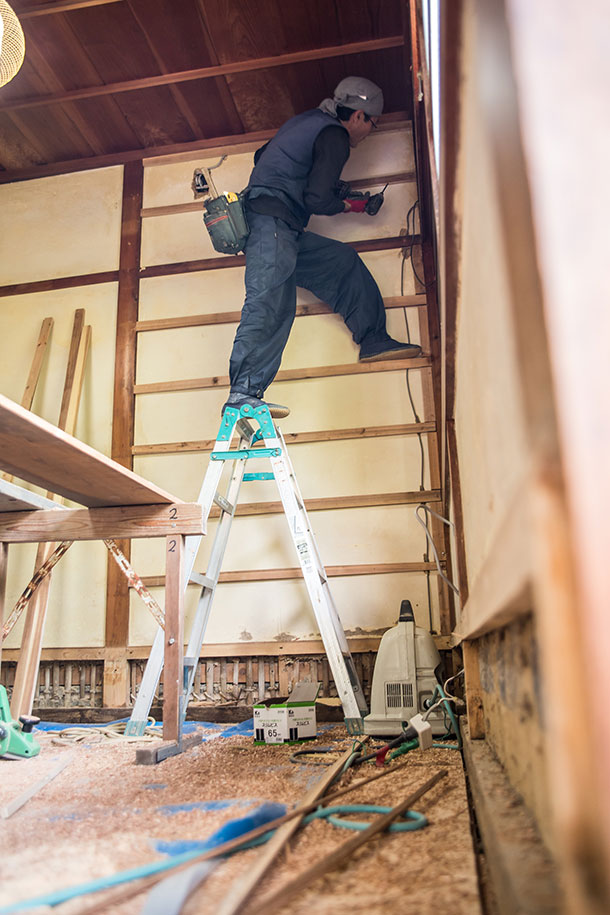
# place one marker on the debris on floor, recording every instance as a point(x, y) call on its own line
point(103, 815)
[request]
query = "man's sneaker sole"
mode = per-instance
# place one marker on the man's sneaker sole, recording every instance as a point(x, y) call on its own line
point(411, 353)
point(277, 411)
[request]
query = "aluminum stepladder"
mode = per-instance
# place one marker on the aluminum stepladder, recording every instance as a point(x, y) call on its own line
point(335, 643)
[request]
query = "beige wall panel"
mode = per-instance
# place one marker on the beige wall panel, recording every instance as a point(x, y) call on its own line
point(195, 352)
point(348, 537)
point(77, 599)
point(20, 320)
point(247, 611)
point(344, 468)
point(166, 185)
point(60, 226)
point(78, 590)
point(386, 153)
point(214, 291)
point(390, 219)
point(489, 423)
point(207, 292)
point(175, 238)
point(180, 237)
point(340, 402)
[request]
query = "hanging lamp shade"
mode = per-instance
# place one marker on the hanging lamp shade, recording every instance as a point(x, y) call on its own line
point(12, 43)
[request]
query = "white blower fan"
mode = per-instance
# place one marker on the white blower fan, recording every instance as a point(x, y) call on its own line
point(407, 671)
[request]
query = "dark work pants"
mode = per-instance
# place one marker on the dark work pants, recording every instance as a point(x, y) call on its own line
point(278, 259)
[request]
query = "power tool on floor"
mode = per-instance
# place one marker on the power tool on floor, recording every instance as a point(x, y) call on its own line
point(406, 676)
point(16, 738)
point(224, 214)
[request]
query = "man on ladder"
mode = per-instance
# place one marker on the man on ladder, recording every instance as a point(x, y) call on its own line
point(296, 175)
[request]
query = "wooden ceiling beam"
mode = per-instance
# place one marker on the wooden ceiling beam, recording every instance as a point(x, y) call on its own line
point(61, 6)
point(239, 66)
point(158, 155)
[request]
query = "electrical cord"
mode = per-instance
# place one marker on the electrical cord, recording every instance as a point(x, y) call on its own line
point(115, 731)
point(410, 234)
point(411, 820)
point(416, 419)
point(424, 524)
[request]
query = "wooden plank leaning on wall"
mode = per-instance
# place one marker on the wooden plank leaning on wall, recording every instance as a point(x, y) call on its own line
point(31, 643)
point(117, 593)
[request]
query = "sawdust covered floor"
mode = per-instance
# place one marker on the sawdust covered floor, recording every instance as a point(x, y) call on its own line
point(104, 814)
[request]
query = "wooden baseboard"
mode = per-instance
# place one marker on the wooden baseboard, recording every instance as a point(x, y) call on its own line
point(294, 648)
point(219, 714)
point(523, 875)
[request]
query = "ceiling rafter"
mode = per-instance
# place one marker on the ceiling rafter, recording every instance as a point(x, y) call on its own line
point(241, 66)
point(61, 6)
point(178, 97)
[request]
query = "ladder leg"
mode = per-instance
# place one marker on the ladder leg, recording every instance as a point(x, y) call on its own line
point(337, 650)
point(208, 589)
point(152, 672)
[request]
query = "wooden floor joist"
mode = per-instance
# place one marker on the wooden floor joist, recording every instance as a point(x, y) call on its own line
point(520, 868)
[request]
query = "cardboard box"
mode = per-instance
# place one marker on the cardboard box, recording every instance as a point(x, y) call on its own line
point(290, 720)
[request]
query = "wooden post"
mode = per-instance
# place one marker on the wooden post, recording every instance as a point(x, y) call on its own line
point(474, 697)
point(117, 590)
point(35, 369)
point(174, 637)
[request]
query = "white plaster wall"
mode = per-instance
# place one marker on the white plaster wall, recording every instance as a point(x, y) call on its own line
point(75, 228)
point(172, 238)
point(265, 611)
point(60, 226)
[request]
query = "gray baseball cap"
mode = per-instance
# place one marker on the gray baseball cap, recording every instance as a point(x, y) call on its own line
point(359, 93)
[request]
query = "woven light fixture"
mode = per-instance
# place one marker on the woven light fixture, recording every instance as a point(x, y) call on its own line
point(12, 44)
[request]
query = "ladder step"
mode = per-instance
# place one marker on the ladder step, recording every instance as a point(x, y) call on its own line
point(203, 581)
point(249, 477)
point(223, 504)
point(244, 453)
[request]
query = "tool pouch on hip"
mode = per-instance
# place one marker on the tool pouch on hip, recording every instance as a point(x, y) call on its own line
point(225, 220)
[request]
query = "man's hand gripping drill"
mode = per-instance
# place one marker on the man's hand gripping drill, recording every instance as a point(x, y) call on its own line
point(360, 201)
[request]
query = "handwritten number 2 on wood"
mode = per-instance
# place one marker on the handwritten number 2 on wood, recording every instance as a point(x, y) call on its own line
point(172, 546)
point(173, 514)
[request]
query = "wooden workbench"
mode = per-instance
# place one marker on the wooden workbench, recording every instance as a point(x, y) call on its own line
point(119, 504)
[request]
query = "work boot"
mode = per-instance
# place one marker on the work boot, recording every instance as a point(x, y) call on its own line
point(237, 400)
point(388, 349)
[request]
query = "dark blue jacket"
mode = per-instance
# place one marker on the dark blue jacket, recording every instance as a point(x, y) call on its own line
point(286, 161)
